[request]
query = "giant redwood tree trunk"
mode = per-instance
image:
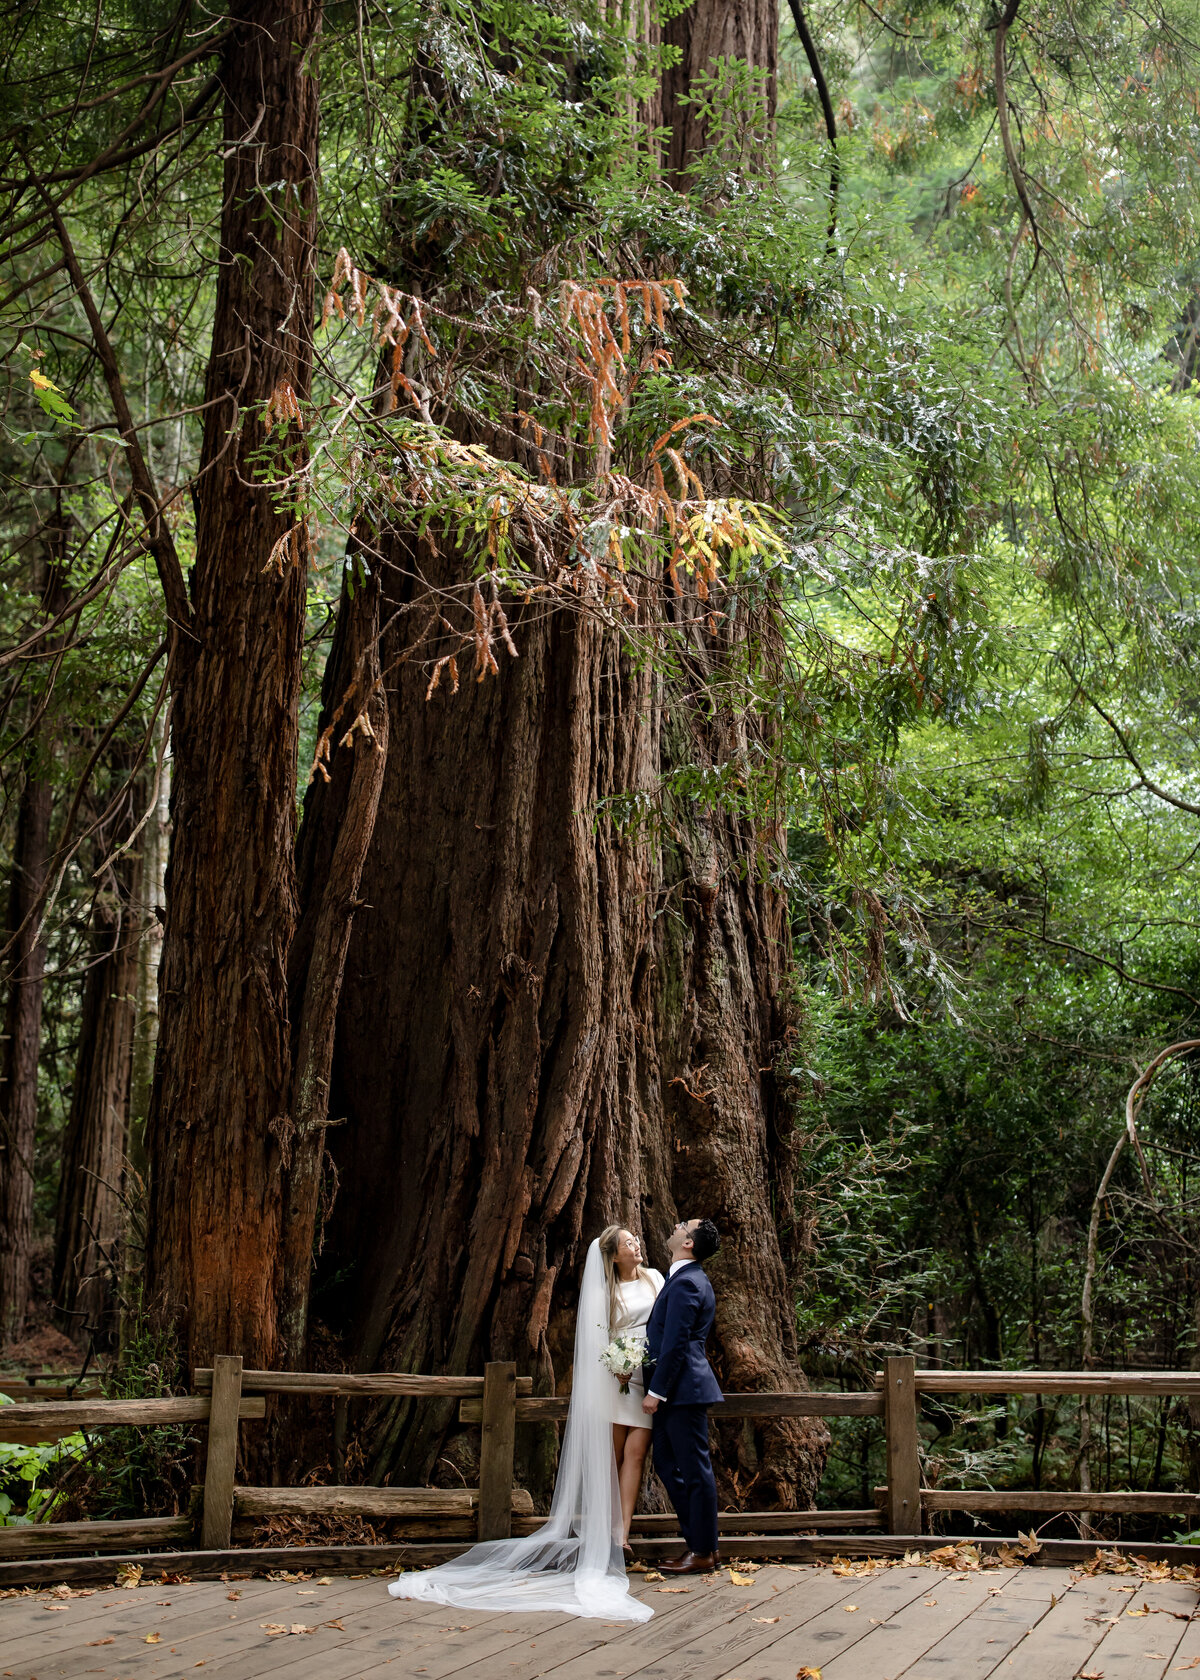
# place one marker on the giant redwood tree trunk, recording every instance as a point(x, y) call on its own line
point(547, 1024)
point(551, 1020)
point(90, 1220)
point(219, 1109)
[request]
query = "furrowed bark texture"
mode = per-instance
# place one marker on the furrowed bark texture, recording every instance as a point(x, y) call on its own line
point(90, 1221)
point(223, 1069)
point(706, 31)
point(546, 1025)
point(19, 1065)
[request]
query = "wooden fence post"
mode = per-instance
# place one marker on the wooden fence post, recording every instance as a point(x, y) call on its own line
point(221, 1466)
point(496, 1453)
point(900, 1410)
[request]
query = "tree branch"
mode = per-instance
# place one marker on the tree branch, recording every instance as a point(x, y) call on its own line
point(818, 76)
point(1127, 749)
point(158, 537)
point(1007, 19)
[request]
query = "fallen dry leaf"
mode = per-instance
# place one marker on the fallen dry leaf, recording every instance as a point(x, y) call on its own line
point(769, 1620)
point(849, 1606)
point(233, 1595)
point(1134, 1611)
point(152, 1639)
point(1179, 1667)
point(168, 1579)
point(808, 1674)
point(129, 1576)
point(741, 1580)
point(653, 1575)
point(272, 1629)
point(337, 1623)
point(324, 1580)
point(673, 1589)
point(299, 1627)
point(109, 1641)
point(1090, 1674)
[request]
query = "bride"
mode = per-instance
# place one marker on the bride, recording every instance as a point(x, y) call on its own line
point(574, 1562)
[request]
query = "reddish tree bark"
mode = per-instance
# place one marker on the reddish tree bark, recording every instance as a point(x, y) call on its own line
point(549, 1021)
point(22, 1030)
point(223, 1070)
point(703, 32)
point(90, 1220)
point(547, 1024)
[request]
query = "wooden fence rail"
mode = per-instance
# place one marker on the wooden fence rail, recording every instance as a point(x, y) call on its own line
point(499, 1400)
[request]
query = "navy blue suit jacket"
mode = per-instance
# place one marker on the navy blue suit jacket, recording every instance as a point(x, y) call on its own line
point(680, 1321)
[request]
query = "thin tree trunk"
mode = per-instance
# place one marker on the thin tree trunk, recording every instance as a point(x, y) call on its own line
point(90, 1223)
point(223, 1070)
point(355, 722)
point(19, 1065)
point(152, 914)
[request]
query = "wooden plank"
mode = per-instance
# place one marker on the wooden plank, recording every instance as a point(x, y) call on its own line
point(1061, 1640)
point(1056, 1382)
point(679, 1638)
point(807, 1637)
point(205, 1565)
point(40, 1539)
point(986, 1499)
point(496, 1450)
point(368, 1501)
point(767, 1522)
point(1126, 1650)
point(552, 1408)
point(903, 1446)
point(895, 1645)
point(109, 1414)
point(17, 1389)
point(220, 1469)
point(352, 1383)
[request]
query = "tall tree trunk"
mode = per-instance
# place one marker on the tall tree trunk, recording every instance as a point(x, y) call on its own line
point(89, 1228)
point(355, 730)
point(22, 1030)
point(547, 1025)
point(25, 967)
point(549, 1022)
point(155, 847)
point(223, 1070)
point(702, 33)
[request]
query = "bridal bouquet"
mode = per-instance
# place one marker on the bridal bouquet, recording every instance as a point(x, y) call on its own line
point(623, 1355)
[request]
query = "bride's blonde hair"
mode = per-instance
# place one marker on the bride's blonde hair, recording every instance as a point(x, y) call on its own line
point(609, 1239)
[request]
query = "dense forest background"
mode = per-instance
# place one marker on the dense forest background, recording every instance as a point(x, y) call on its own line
point(599, 620)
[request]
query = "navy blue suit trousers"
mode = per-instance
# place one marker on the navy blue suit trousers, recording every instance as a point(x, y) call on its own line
point(681, 1457)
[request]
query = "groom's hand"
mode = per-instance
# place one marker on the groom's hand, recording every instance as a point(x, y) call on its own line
point(650, 1404)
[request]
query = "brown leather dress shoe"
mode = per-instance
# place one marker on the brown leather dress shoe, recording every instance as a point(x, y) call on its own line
point(692, 1563)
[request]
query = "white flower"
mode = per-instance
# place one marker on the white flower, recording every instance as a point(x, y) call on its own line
point(623, 1355)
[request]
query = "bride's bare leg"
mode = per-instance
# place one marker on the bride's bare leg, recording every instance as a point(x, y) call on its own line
point(631, 1467)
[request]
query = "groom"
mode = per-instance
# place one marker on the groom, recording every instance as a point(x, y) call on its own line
point(680, 1387)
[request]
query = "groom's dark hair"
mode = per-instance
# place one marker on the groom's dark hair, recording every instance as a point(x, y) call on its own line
point(706, 1240)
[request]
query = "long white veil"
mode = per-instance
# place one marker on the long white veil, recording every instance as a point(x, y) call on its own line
point(574, 1561)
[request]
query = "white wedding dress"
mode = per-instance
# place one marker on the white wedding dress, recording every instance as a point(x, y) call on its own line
point(637, 1301)
point(574, 1563)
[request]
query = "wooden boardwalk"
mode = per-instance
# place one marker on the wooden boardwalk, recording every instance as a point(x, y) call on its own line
point(919, 1623)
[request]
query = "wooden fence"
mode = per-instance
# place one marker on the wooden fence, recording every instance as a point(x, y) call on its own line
point(500, 1400)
